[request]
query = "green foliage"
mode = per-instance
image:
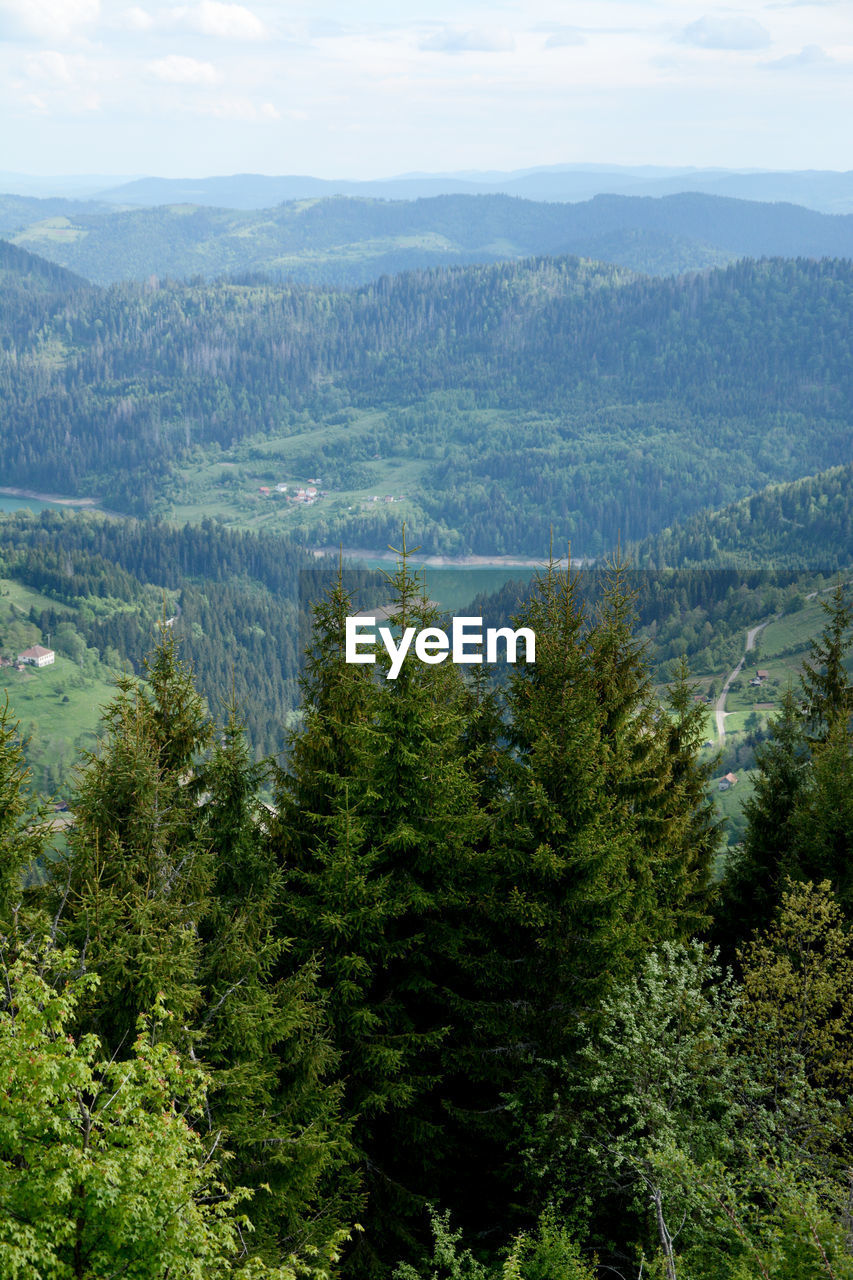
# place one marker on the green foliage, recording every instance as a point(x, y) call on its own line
point(101, 1172)
point(139, 867)
point(449, 1261)
point(451, 966)
point(800, 816)
point(170, 891)
point(23, 826)
point(377, 816)
point(798, 994)
point(548, 1253)
point(806, 522)
point(232, 597)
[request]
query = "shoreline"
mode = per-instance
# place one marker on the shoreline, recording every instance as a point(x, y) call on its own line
point(90, 503)
point(449, 562)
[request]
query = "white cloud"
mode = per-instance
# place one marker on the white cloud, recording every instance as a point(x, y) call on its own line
point(725, 31)
point(243, 109)
point(565, 37)
point(478, 40)
point(49, 68)
point(177, 69)
point(52, 19)
point(811, 55)
point(136, 19)
point(227, 21)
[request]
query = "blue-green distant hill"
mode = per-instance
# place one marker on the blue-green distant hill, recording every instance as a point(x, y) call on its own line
point(826, 190)
point(346, 241)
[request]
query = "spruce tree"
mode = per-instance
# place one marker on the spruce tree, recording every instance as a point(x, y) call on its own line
point(827, 690)
point(327, 749)
point(136, 881)
point(822, 821)
point(756, 873)
point(688, 829)
point(376, 818)
point(170, 894)
point(568, 861)
point(261, 1027)
point(23, 821)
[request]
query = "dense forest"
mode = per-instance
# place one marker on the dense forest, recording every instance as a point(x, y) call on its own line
point(808, 523)
point(465, 1002)
point(238, 598)
point(614, 406)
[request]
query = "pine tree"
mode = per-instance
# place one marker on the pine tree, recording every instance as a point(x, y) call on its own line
point(23, 821)
point(136, 881)
point(688, 827)
point(171, 896)
point(376, 817)
point(827, 690)
point(327, 749)
point(263, 1036)
point(757, 872)
point(569, 865)
point(822, 820)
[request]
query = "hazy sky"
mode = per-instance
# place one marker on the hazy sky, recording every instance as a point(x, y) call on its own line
point(374, 88)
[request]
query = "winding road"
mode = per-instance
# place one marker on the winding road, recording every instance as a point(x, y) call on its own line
point(720, 705)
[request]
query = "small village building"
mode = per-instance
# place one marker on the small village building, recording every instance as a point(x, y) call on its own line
point(37, 656)
point(730, 780)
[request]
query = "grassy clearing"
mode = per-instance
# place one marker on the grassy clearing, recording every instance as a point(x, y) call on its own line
point(23, 598)
point(230, 485)
point(58, 706)
point(729, 805)
point(59, 710)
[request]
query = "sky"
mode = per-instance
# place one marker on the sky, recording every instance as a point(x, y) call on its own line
point(374, 89)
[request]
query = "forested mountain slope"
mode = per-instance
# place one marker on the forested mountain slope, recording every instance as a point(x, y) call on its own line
point(807, 524)
point(550, 393)
point(237, 598)
point(349, 241)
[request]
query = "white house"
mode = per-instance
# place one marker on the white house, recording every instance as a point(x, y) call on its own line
point(37, 656)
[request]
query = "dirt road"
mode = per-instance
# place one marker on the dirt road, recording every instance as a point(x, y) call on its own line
point(720, 706)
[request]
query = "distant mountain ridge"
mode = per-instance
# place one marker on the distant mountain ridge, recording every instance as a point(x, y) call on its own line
point(346, 241)
point(825, 190)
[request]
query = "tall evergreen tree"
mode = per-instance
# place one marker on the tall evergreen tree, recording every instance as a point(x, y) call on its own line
point(376, 818)
point(170, 895)
point(827, 689)
point(23, 821)
point(689, 829)
point(572, 879)
point(262, 1028)
point(326, 751)
point(822, 821)
point(756, 873)
point(138, 873)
